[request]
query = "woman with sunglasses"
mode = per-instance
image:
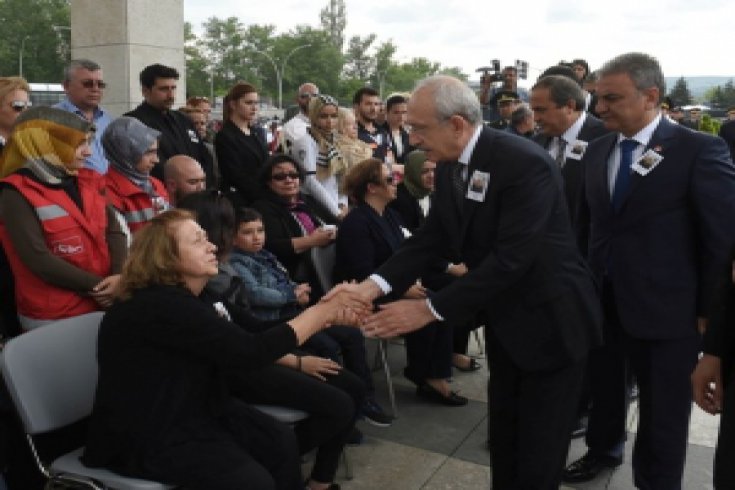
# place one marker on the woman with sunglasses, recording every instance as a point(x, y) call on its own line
point(319, 156)
point(240, 145)
point(13, 100)
point(63, 242)
point(368, 236)
point(132, 150)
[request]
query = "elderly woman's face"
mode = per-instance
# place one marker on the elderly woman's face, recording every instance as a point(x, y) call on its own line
point(148, 160)
point(427, 175)
point(285, 181)
point(197, 259)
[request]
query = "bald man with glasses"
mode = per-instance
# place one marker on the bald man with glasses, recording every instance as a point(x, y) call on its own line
point(296, 127)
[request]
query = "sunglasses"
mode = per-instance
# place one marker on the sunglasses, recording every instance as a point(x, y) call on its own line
point(289, 175)
point(307, 95)
point(91, 84)
point(20, 105)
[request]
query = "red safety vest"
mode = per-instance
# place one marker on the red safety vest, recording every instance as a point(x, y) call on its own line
point(134, 203)
point(72, 235)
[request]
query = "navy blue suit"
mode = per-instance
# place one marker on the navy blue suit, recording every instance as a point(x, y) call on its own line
point(657, 259)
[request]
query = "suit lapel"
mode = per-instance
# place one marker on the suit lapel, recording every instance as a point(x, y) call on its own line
point(659, 139)
point(480, 160)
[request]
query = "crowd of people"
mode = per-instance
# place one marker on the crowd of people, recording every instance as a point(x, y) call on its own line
point(577, 221)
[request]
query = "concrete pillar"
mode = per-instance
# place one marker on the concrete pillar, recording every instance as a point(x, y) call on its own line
point(124, 36)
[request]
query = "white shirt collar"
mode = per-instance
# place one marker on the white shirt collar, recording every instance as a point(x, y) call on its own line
point(644, 135)
point(466, 154)
point(570, 135)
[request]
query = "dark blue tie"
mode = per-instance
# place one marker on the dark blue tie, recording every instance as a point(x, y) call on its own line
point(622, 180)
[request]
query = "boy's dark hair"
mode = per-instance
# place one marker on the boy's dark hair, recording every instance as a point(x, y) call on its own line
point(369, 91)
point(246, 215)
point(151, 72)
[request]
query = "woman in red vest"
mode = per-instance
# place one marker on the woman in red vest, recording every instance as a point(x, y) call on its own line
point(64, 246)
point(132, 149)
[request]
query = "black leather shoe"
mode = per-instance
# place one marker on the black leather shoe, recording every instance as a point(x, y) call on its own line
point(430, 393)
point(588, 467)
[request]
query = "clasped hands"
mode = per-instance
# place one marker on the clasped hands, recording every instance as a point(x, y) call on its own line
point(390, 320)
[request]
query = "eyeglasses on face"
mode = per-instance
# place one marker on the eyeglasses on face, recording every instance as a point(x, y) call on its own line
point(284, 176)
point(20, 105)
point(307, 95)
point(91, 83)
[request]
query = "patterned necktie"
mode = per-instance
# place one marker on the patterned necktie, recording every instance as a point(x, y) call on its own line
point(622, 180)
point(561, 151)
point(458, 184)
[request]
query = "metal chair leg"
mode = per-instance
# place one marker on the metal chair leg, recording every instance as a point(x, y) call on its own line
point(348, 468)
point(383, 351)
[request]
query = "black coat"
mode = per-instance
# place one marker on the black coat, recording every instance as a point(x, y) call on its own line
point(162, 355)
point(525, 276)
point(572, 171)
point(408, 207)
point(240, 158)
point(178, 137)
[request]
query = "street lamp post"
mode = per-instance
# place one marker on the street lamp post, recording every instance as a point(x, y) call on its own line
point(20, 56)
point(281, 71)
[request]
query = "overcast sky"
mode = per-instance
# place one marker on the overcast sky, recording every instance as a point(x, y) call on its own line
point(689, 37)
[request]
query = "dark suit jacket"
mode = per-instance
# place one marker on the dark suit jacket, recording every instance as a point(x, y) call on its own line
point(719, 339)
point(178, 137)
point(408, 207)
point(407, 148)
point(727, 133)
point(240, 159)
point(572, 171)
point(664, 249)
point(525, 273)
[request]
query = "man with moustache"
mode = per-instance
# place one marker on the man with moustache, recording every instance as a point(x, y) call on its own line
point(296, 127)
point(498, 208)
point(661, 205)
point(84, 87)
point(565, 130)
point(178, 134)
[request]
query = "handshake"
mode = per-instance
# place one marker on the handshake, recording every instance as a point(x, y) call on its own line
point(352, 304)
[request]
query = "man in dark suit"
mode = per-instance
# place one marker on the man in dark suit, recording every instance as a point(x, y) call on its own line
point(712, 380)
point(727, 132)
point(499, 209)
point(565, 130)
point(661, 203)
point(178, 135)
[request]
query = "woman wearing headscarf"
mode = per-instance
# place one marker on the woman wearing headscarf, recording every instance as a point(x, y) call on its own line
point(63, 243)
point(132, 150)
point(319, 156)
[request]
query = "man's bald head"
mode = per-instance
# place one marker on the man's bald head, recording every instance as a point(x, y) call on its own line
point(306, 92)
point(183, 175)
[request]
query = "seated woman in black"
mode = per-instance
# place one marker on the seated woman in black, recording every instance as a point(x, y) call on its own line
point(162, 409)
point(292, 229)
point(368, 236)
point(413, 201)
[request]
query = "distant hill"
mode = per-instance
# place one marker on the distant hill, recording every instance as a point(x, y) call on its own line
point(698, 85)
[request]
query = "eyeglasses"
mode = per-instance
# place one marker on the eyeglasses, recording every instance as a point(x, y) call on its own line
point(91, 83)
point(307, 95)
point(20, 105)
point(289, 175)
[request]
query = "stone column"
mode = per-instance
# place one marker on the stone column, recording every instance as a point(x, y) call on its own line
point(124, 36)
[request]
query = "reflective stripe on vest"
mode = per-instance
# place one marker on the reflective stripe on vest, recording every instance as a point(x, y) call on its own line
point(51, 211)
point(139, 216)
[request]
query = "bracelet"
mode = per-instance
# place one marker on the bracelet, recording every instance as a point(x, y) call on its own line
point(299, 358)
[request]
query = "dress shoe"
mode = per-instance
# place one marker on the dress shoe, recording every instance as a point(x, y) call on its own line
point(588, 467)
point(430, 393)
point(472, 366)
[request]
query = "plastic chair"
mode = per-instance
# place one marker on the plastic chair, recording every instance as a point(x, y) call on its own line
point(323, 259)
point(51, 374)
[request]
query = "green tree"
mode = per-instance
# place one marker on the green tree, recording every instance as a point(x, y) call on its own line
point(197, 65)
point(680, 94)
point(359, 63)
point(28, 25)
point(333, 19)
